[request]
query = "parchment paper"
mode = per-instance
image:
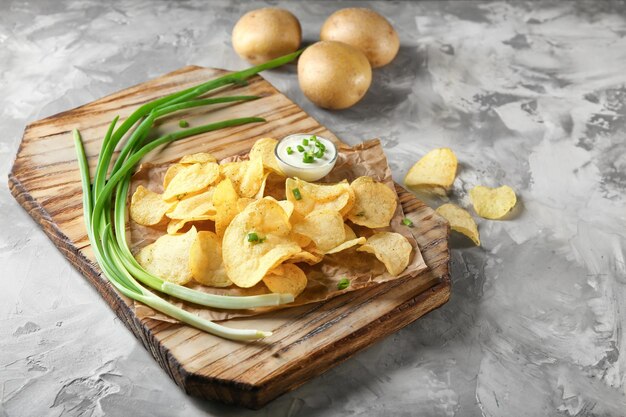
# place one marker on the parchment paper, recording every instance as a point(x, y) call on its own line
point(362, 269)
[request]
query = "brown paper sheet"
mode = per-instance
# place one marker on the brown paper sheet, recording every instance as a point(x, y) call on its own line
point(362, 269)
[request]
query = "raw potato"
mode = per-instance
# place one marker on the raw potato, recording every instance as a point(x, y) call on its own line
point(334, 75)
point(460, 221)
point(264, 34)
point(366, 30)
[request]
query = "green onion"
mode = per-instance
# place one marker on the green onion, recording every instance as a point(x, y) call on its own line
point(289, 150)
point(300, 148)
point(308, 158)
point(296, 194)
point(183, 123)
point(253, 237)
point(360, 214)
point(305, 142)
point(106, 222)
point(319, 154)
point(407, 222)
point(343, 284)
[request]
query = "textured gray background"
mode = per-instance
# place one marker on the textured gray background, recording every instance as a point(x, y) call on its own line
point(527, 94)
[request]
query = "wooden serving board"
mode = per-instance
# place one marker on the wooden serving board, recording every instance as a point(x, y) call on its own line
point(307, 340)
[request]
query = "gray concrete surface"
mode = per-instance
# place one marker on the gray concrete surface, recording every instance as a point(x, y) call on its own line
point(527, 94)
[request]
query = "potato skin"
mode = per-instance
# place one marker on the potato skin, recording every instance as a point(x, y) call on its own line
point(334, 75)
point(365, 30)
point(264, 34)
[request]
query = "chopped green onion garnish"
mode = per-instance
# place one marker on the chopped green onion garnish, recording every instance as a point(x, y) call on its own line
point(360, 214)
point(319, 154)
point(300, 148)
point(314, 138)
point(253, 237)
point(305, 142)
point(308, 158)
point(320, 145)
point(343, 284)
point(296, 194)
point(407, 222)
point(289, 150)
point(183, 123)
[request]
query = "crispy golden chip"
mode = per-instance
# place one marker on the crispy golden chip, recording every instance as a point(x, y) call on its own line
point(257, 241)
point(243, 202)
point(392, 249)
point(194, 206)
point(148, 208)
point(261, 193)
point(171, 173)
point(286, 279)
point(301, 240)
point(307, 257)
point(197, 158)
point(324, 227)
point(287, 206)
point(247, 176)
point(225, 201)
point(144, 256)
point(175, 225)
point(434, 171)
point(460, 221)
point(375, 203)
point(169, 259)
point(263, 149)
point(493, 203)
point(347, 244)
point(205, 261)
point(349, 232)
point(307, 197)
point(190, 180)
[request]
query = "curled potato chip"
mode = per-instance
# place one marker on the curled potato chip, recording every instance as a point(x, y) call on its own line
point(148, 208)
point(349, 232)
point(261, 193)
point(247, 176)
point(144, 256)
point(300, 239)
point(460, 221)
point(247, 261)
point(243, 202)
point(175, 225)
point(190, 180)
point(205, 261)
point(307, 257)
point(493, 203)
point(434, 172)
point(391, 248)
point(347, 244)
point(375, 203)
point(225, 201)
point(197, 158)
point(324, 227)
point(171, 173)
point(286, 279)
point(263, 149)
point(307, 197)
point(169, 257)
point(287, 206)
point(194, 206)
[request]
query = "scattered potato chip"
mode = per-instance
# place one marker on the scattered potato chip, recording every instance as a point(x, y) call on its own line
point(246, 176)
point(171, 173)
point(147, 208)
point(243, 202)
point(493, 203)
point(392, 249)
point(307, 257)
point(205, 261)
point(144, 256)
point(347, 244)
point(194, 206)
point(175, 225)
point(434, 172)
point(375, 203)
point(225, 201)
point(261, 193)
point(190, 180)
point(307, 197)
point(324, 227)
point(300, 239)
point(169, 259)
point(460, 221)
point(349, 232)
point(287, 206)
point(286, 279)
point(257, 241)
point(263, 149)
point(197, 158)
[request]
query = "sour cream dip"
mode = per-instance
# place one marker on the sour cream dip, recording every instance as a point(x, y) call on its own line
point(306, 156)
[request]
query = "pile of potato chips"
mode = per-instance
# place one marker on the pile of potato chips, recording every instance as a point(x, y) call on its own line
point(224, 228)
point(435, 172)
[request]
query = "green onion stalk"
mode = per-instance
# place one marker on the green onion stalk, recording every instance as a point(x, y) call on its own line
point(104, 203)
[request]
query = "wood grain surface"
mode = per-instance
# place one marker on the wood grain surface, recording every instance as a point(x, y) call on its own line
point(307, 340)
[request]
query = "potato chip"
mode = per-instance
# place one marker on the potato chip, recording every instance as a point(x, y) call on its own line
point(287, 206)
point(434, 172)
point(148, 208)
point(205, 261)
point(286, 279)
point(175, 225)
point(225, 200)
point(347, 244)
point(190, 180)
point(324, 227)
point(375, 203)
point(263, 149)
point(243, 202)
point(493, 203)
point(349, 232)
point(392, 249)
point(246, 176)
point(197, 158)
point(171, 173)
point(460, 221)
point(144, 256)
point(257, 241)
point(301, 240)
point(307, 257)
point(261, 193)
point(307, 197)
point(194, 206)
point(169, 259)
